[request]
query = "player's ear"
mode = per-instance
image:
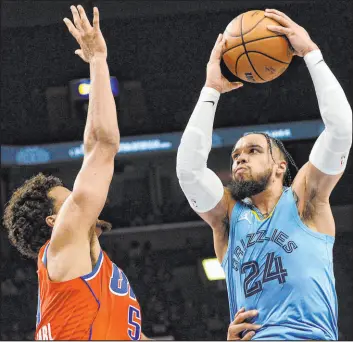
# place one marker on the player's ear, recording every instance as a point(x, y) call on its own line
point(50, 220)
point(282, 167)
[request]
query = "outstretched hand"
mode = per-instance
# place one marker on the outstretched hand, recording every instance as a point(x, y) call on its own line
point(89, 38)
point(214, 78)
point(296, 34)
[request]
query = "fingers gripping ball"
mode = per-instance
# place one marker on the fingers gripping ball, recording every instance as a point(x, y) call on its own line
point(252, 52)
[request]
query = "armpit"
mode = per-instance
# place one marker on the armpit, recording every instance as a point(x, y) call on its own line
point(306, 208)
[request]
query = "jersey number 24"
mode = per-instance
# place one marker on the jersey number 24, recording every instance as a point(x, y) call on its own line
point(279, 273)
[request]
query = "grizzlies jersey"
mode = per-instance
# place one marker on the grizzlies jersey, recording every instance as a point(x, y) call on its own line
point(98, 306)
point(284, 270)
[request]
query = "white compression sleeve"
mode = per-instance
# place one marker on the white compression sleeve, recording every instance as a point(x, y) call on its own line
point(331, 149)
point(201, 186)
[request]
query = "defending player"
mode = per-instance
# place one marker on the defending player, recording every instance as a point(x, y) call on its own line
point(82, 294)
point(274, 237)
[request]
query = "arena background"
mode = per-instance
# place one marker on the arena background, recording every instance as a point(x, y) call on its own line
point(158, 52)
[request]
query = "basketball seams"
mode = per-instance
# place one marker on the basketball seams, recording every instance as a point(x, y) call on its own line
point(241, 18)
point(255, 40)
point(236, 63)
point(246, 52)
point(275, 59)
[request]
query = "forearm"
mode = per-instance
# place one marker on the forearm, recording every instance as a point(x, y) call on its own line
point(196, 142)
point(201, 186)
point(102, 123)
point(331, 149)
point(334, 107)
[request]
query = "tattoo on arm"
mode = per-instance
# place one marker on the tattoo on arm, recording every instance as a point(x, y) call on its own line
point(225, 223)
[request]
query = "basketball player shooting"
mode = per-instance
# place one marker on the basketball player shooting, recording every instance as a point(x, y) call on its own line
point(273, 236)
point(82, 294)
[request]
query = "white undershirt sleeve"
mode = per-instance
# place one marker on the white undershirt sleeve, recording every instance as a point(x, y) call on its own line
point(331, 149)
point(201, 186)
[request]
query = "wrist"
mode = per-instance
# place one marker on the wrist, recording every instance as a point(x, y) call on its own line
point(209, 93)
point(98, 56)
point(213, 86)
point(312, 58)
point(310, 48)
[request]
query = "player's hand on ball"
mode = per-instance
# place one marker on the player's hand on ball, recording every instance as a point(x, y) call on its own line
point(89, 38)
point(214, 78)
point(239, 325)
point(296, 34)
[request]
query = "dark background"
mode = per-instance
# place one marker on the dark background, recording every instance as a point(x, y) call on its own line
point(158, 51)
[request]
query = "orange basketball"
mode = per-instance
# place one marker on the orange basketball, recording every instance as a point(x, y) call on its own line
point(252, 52)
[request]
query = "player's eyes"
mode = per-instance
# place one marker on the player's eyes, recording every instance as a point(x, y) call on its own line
point(253, 150)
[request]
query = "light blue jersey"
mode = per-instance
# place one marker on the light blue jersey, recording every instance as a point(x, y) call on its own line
point(284, 270)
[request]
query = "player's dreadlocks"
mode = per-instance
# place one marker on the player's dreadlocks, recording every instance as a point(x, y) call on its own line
point(288, 158)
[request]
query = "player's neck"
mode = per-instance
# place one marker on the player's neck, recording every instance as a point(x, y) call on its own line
point(95, 248)
point(266, 201)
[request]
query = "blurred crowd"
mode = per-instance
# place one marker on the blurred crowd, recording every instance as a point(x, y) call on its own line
point(18, 296)
point(131, 213)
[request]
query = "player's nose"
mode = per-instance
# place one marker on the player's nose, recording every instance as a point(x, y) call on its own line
point(242, 158)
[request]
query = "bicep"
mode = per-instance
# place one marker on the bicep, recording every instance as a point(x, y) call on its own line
point(91, 186)
point(318, 182)
point(82, 208)
point(218, 218)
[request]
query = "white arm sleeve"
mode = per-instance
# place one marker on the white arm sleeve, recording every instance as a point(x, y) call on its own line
point(331, 149)
point(201, 186)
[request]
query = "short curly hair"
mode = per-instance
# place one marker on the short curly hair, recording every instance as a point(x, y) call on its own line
point(25, 214)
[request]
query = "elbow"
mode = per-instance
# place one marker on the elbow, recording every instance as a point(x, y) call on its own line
point(189, 166)
point(346, 122)
point(192, 155)
point(186, 175)
point(341, 128)
point(108, 140)
point(111, 146)
point(108, 148)
point(184, 166)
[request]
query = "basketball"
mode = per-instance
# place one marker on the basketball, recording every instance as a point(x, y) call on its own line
point(252, 52)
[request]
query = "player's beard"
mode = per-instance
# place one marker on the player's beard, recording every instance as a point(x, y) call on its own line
point(243, 188)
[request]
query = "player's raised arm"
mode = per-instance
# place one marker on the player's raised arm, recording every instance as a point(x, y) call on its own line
point(329, 155)
point(70, 242)
point(201, 186)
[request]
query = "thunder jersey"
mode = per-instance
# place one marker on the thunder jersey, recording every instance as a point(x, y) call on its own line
point(284, 270)
point(98, 306)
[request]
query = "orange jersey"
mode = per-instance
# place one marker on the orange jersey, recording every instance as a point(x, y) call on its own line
point(98, 306)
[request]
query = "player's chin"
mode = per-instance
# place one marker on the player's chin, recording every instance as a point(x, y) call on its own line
point(240, 176)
